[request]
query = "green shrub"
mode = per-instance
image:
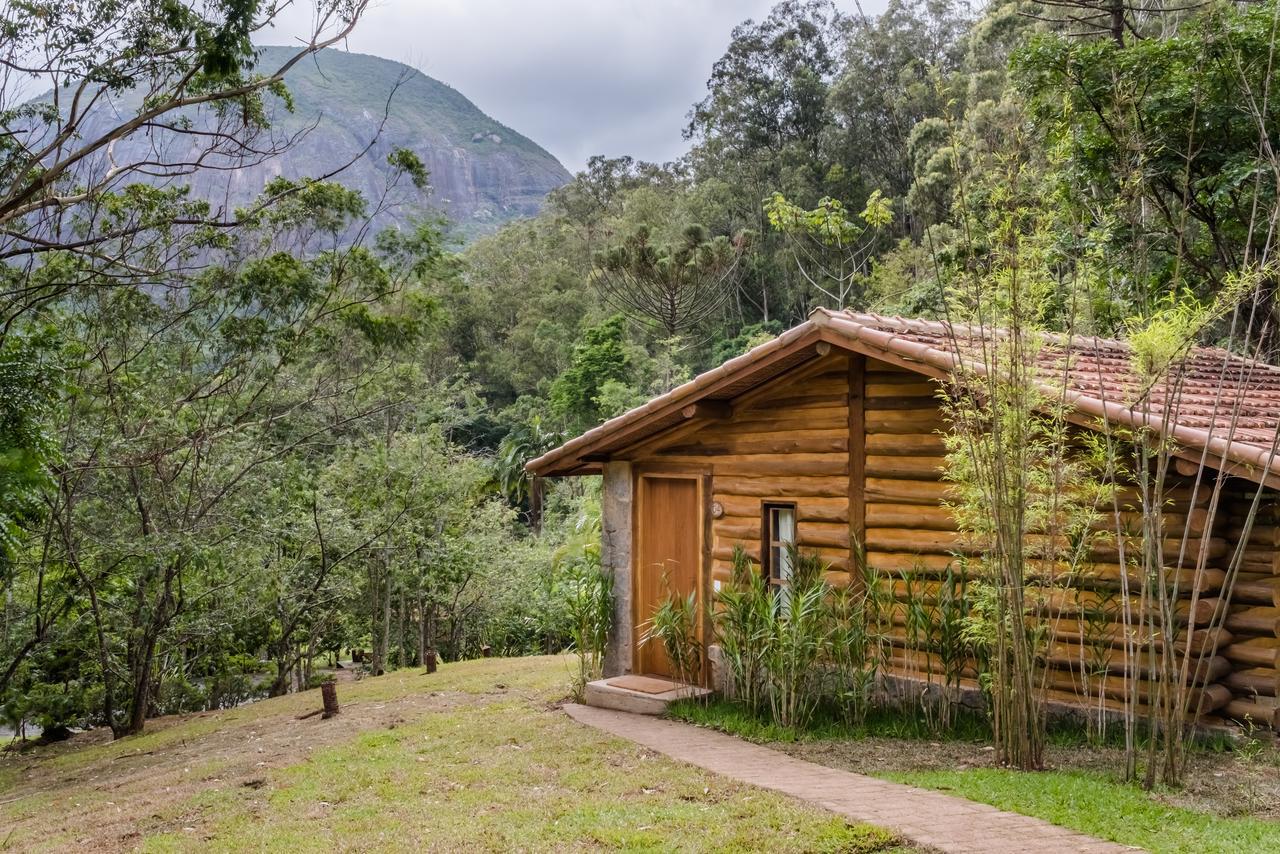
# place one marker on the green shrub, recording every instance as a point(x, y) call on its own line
point(674, 624)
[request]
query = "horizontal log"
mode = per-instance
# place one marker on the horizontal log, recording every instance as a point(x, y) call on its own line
point(894, 563)
point(925, 662)
point(837, 575)
point(1256, 652)
point(1262, 591)
point(1089, 639)
point(913, 540)
point(805, 398)
point(906, 444)
point(877, 387)
point(741, 435)
point(808, 509)
point(808, 534)
point(833, 558)
point(838, 578)
point(736, 446)
point(903, 420)
point(1264, 536)
point(890, 402)
point(937, 517)
point(816, 486)
point(1207, 699)
point(1255, 621)
point(1059, 602)
point(809, 417)
point(1175, 498)
point(1258, 711)
point(917, 516)
point(906, 468)
point(1074, 657)
point(769, 465)
point(898, 491)
point(884, 371)
point(1215, 548)
point(1261, 681)
point(1258, 560)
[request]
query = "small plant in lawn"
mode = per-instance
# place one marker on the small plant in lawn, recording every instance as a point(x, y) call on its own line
point(590, 607)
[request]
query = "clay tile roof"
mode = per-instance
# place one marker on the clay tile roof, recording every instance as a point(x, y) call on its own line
point(1215, 406)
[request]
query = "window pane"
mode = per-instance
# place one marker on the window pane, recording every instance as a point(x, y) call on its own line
point(786, 534)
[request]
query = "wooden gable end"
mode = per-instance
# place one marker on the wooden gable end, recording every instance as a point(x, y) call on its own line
point(787, 441)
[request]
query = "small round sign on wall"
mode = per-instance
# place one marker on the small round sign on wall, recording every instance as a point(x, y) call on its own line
point(717, 509)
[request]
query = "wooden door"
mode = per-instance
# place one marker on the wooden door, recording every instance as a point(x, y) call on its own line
point(668, 557)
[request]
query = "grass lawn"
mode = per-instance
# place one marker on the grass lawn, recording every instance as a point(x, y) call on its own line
point(1231, 802)
point(475, 757)
point(1094, 804)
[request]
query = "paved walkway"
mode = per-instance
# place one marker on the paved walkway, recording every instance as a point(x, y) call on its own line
point(941, 821)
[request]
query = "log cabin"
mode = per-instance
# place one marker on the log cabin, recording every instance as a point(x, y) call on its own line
point(831, 437)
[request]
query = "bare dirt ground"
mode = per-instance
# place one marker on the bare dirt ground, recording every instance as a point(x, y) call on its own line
point(119, 792)
point(1229, 784)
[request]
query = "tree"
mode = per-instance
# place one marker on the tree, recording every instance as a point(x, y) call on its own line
point(889, 82)
point(599, 358)
point(674, 287)
point(72, 211)
point(1166, 148)
point(832, 251)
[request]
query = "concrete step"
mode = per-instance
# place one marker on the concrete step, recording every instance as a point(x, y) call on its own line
point(602, 695)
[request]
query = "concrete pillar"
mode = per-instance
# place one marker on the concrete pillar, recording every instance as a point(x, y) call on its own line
point(615, 556)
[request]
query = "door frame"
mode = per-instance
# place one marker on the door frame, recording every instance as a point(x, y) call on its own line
point(702, 475)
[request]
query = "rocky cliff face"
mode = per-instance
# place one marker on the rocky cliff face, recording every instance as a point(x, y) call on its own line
point(483, 173)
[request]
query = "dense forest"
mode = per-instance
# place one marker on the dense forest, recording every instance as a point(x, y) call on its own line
point(233, 443)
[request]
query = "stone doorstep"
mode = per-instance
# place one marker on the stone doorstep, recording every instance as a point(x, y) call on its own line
point(602, 695)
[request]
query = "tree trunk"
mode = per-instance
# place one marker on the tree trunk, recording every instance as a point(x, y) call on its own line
point(375, 591)
point(280, 685)
point(422, 631)
point(402, 648)
point(386, 624)
point(535, 504)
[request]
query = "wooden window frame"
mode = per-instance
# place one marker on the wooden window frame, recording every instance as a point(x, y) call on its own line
point(768, 541)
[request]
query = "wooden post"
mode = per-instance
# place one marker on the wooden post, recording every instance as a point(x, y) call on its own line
point(329, 695)
point(857, 462)
point(486, 650)
point(430, 656)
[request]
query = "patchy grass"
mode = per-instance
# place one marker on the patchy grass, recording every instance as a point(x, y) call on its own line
point(1095, 804)
point(476, 757)
point(1231, 801)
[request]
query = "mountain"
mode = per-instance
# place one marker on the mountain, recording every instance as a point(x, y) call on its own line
point(483, 173)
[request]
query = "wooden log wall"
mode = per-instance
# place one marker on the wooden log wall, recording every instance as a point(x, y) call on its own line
point(909, 530)
point(814, 436)
point(786, 442)
point(1254, 614)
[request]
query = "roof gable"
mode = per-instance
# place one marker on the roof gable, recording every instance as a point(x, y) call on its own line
point(1220, 409)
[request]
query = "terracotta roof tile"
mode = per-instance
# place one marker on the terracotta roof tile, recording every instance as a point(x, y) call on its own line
point(1225, 406)
point(1210, 400)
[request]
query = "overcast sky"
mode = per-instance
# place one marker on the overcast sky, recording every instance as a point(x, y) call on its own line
point(579, 77)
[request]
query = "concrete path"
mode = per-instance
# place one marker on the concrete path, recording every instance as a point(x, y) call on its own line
point(940, 821)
